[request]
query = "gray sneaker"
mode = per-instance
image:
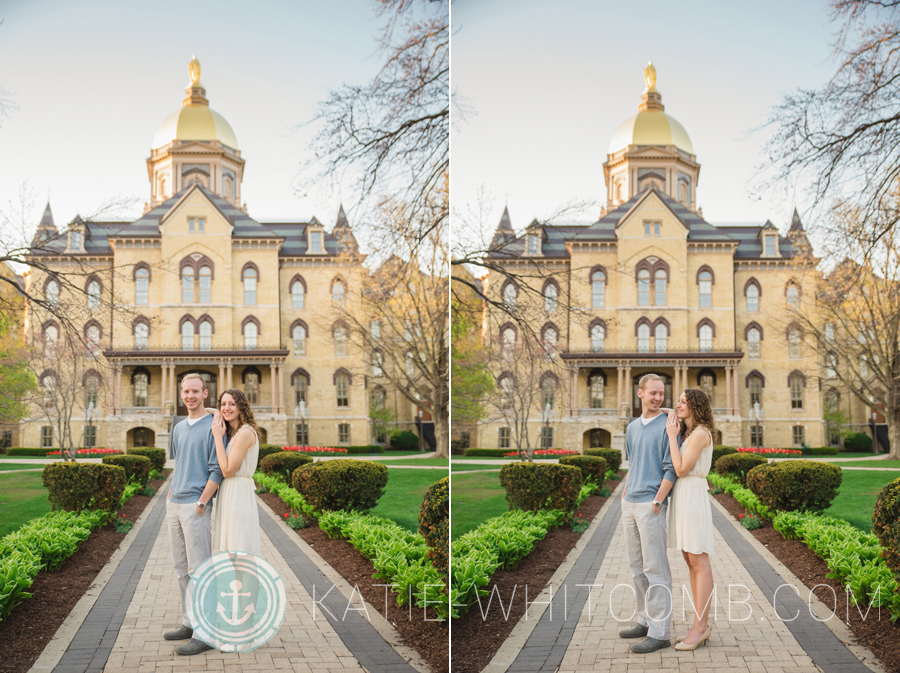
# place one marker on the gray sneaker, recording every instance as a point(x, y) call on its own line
point(649, 644)
point(181, 633)
point(193, 646)
point(636, 631)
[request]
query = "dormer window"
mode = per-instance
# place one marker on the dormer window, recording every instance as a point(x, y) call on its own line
point(315, 241)
point(651, 228)
point(771, 245)
point(534, 244)
point(196, 224)
point(75, 241)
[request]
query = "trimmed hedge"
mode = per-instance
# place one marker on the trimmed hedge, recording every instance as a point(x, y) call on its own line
point(592, 468)
point(820, 450)
point(405, 441)
point(859, 442)
point(363, 449)
point(737, 465)
point(613, 458)
point(795, 485)
point(348, 484)
point(136, 467)
point(492, 453)
point(24, 451)
point(79, 486)
point(535, 486)
point(284, 463)
point(719, 451)
point(157, 456)
point(434, 524)
point(886, 524)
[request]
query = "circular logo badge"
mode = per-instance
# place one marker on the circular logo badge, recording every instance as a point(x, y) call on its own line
point(236, 601)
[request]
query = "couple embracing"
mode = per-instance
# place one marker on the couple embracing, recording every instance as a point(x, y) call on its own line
point(216, 452)
point(669, 456)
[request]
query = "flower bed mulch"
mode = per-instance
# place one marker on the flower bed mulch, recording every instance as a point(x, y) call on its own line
point(477, 639)
point(430, 638)
point(31, 625)
point(880, 635)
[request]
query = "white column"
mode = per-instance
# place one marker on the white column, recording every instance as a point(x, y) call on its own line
point(230, 374)
point(736, 395)
point(273, 376)
point(729, 390)
point(627, 390)
point(221, 380)
point(619, 390)
point(162, 387)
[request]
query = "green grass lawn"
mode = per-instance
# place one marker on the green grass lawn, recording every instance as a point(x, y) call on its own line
point(403, 495)
point(869, 463)
point(22, 497)
point(857, 495)
point(19, 466)
point(475, 498)
point(441, 462)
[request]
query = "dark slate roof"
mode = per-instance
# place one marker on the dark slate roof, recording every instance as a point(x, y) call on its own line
point(750, 245)
point(796, 224)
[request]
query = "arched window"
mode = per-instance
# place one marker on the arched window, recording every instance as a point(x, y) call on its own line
point(598, 336)
point(660, 281)
point(829, 331)
point(706, 385)
point(187, 285)
point(507, 386)
point(410, 366)
point(752, 298)
point(141, 381)
point(141, 286)
point(249, 285)
point(550, 336)
point(830, 365)
point(342, 388)
point(704, 280)
point(206, 335)
point(863, 366)
point(92, 335)
point(548, 392)
point(643, 334)
point(141, 334)
point(205, 284)
point(508, 343)
point(337, 294)
point(662, 337)
point(794, 343)
point(644, 288)
point(48, 381)
point(597, 382)
point(796, 385)
point(251, 334)
point(298, 294)
point(51, 293)
point(755, 384)
point(793, 296)
point(340, 340)
point(753, 339)
point(93, 293)
point(91, 389)
point(187, 336)
point(301, 385)
point(551, 294)
point(298, 335)
point(377, 363)
point(706, 338)
point(598, 289)
point(51, 339)
point(510, 293)
point(251, 381)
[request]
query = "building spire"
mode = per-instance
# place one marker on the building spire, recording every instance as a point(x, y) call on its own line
point(651, 99)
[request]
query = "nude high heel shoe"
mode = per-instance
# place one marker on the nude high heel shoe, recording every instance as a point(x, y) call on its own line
point(679, 644)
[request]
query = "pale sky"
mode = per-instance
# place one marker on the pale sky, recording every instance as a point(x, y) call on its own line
point(547, 84)
point(93, 80)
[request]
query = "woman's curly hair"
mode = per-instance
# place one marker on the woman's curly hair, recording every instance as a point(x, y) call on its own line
point(245, 413)
point(700, 411)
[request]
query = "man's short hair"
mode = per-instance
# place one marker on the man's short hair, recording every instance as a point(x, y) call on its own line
point(642, 384)
point(195, 375)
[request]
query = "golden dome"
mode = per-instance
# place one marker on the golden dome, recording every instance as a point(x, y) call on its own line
point(651, 125)
point(195, 120)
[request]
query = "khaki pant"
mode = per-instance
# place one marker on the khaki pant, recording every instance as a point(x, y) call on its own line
point(645, 542)
point(190, 536)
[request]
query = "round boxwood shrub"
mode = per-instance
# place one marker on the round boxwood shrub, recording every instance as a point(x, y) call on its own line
point(434, 524)
point(737, 465)
point(268, 450)
point(613, 457)
point(157, 456)
point(859, 442)
point(136, 467)
point(283, 463)
point(592, 467)
point(719, 451)
point(352, 485)
point(534, 486)
point(886, 524)
point(404, 441)
point(795, 485)
point(78, 486)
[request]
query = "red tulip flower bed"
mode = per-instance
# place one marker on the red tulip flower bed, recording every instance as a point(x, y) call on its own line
point(89, 452)
point(794, 452)
point(315, 450)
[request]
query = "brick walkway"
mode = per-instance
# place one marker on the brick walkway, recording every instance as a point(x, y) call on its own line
point(122, 633)
point(579, 631)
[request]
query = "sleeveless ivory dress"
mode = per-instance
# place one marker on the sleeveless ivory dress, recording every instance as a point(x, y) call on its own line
point(236, 527)
point(690, 513)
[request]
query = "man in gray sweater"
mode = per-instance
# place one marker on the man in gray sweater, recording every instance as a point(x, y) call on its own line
point(189, 504)
point(645, 490)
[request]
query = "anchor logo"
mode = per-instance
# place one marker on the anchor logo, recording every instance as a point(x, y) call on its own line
point(249, 610)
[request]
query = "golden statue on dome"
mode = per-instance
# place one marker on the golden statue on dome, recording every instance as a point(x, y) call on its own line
point(194, 69)
point(649, 76)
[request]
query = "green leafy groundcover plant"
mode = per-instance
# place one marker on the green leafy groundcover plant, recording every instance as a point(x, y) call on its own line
point(284, 491)
point(41, 544)
point(399, 557)
point(744, 496)
point(853, 557)
point(500, 542)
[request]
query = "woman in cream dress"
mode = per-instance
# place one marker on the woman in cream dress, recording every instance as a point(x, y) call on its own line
point(690, 527)
point(236, 525)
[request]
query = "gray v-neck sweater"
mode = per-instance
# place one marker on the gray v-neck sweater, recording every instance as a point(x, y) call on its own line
point(195, 460)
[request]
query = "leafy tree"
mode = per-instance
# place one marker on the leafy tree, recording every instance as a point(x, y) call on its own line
point(472, 380)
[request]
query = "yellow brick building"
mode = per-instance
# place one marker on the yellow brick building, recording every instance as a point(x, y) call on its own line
point(653, 287)
point(205, 287)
